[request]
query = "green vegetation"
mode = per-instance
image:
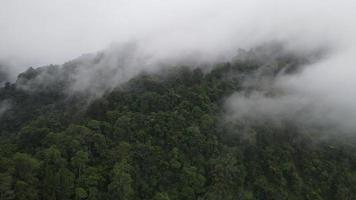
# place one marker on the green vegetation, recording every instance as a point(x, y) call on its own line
point(161, 137)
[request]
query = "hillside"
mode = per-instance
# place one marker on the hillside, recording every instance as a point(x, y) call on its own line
point(162, 136)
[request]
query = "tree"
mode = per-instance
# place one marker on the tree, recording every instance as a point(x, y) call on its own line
point(161, 196)
point(25, 172)
point(120, 187)
point(6, 191)
point(25, 191)
point(80, 193)
point(79, 161)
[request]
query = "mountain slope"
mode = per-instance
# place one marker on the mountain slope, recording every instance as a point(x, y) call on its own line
point(161, 136)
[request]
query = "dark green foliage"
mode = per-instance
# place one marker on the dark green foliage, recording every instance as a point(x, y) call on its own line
point(160, 137)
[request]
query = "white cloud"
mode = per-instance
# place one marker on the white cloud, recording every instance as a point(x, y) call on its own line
point(38, 32)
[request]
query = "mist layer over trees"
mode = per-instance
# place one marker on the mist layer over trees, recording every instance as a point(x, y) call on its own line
point(165, 136)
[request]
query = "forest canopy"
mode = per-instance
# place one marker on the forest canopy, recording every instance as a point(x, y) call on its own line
point(163, 136)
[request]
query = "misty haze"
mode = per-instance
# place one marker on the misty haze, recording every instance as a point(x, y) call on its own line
point(166, 100)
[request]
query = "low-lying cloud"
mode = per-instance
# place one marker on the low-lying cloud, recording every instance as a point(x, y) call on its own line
point(4, 106)
point(321, 95)
point(41, 32)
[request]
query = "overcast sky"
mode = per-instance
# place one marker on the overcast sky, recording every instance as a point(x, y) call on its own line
point(39, 32)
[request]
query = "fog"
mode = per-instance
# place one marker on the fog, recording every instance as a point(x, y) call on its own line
point(321, 95)
point(41, 32)
point(4, 106)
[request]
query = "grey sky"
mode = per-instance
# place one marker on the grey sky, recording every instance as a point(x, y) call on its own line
point(38, 32)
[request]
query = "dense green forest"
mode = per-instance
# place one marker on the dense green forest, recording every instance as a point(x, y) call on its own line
point(160, 136)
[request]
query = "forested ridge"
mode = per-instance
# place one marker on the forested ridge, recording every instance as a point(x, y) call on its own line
point(161, 136)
